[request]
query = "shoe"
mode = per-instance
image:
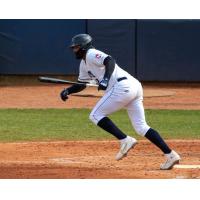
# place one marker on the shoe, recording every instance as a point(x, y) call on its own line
point(125, 147)
point(172, 159)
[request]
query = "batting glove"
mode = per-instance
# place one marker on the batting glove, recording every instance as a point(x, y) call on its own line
point(103, 84)
point(64, 94)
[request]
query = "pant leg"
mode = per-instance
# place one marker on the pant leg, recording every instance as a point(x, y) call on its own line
point(136, 113)
point(137, 116)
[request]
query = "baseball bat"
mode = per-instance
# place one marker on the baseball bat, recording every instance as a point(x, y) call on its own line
point(61, 81)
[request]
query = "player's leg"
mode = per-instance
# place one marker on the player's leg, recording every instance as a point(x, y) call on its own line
point(137, 116)
point(112, 101)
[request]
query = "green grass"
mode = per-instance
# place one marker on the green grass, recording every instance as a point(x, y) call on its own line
point(74, 124)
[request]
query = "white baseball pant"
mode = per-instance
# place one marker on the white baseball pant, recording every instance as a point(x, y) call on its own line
point(126, 94)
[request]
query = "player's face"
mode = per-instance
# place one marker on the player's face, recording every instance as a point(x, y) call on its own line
point(75, 49)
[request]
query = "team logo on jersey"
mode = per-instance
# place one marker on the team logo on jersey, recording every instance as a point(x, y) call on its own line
point(98, 56)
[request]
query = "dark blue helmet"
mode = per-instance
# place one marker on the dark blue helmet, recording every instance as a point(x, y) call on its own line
point(82, 40)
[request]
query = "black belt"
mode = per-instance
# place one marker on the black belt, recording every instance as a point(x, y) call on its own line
point(121, 79)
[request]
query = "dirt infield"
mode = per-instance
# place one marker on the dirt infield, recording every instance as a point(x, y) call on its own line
point(92, 159)
point(95, 159)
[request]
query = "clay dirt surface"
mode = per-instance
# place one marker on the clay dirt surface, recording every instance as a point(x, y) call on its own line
point(95, 159)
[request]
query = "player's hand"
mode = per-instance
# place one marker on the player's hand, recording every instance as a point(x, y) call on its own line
point(64, 94)
point(103, 84)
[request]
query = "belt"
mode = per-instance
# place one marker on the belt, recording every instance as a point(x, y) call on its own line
point(121, 79)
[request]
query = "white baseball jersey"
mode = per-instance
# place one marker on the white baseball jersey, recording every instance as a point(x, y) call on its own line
point(92, 68)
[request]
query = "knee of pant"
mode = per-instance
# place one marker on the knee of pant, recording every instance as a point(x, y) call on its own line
point(96, 117)
point(92, 118)
point(142, 129)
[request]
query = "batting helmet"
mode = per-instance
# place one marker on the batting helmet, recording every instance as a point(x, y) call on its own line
point(82, 40)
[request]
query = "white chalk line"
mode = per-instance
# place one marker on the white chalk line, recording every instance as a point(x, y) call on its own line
point(187, 166)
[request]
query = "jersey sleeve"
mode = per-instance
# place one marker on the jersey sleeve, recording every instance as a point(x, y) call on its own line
point(96, 57)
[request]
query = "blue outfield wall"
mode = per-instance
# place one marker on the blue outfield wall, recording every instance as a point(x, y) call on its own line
point(151, 50)
point(168, 50)
point(117, 38)
point(38, 46)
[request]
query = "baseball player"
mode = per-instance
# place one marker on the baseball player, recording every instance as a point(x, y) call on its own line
point(121, 91)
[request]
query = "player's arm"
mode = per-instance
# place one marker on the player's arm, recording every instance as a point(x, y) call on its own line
point(109, 63)
point(75, 88)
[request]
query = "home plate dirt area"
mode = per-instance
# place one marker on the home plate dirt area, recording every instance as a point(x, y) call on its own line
point(96, 159)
